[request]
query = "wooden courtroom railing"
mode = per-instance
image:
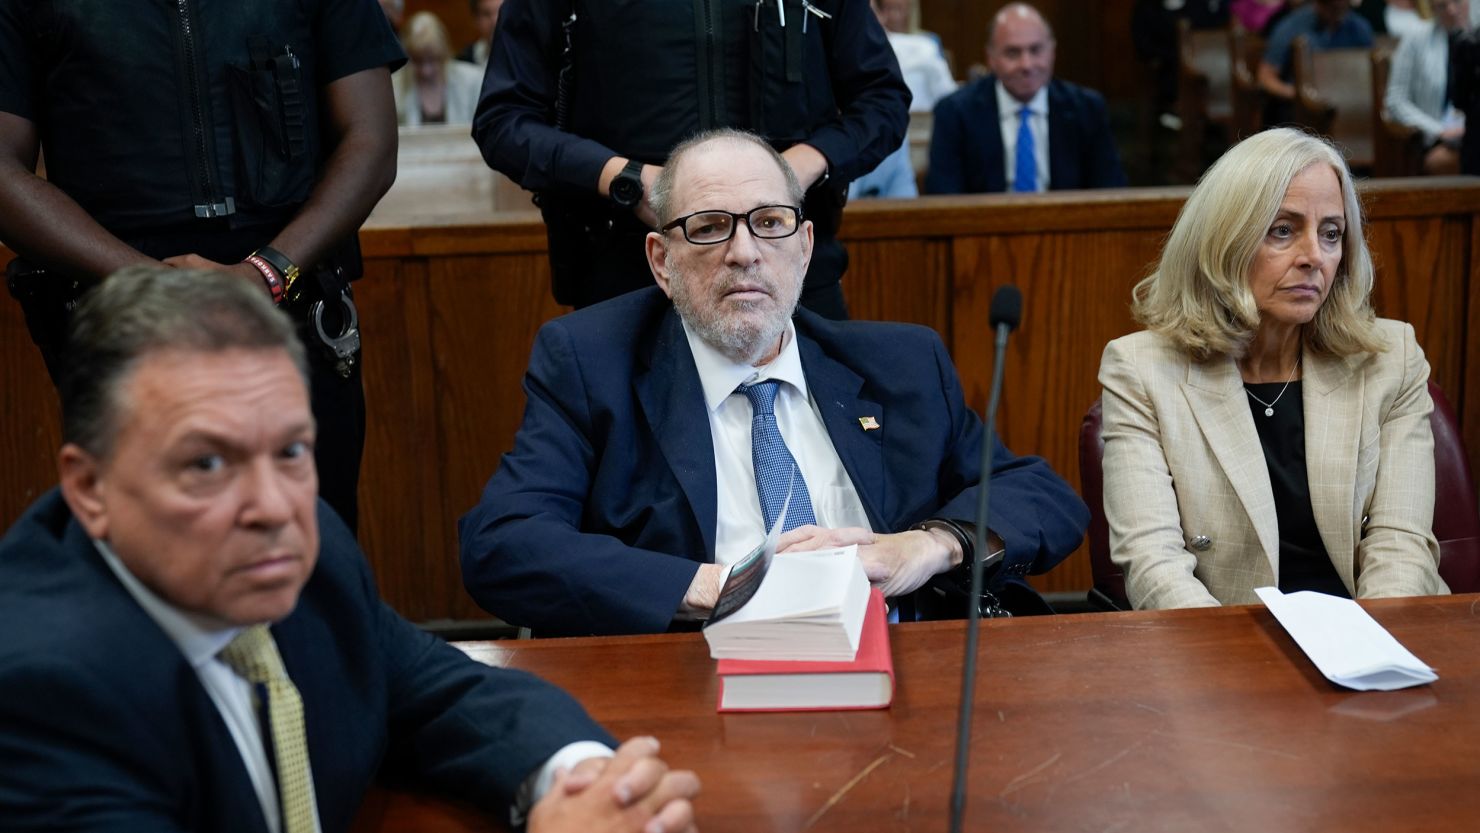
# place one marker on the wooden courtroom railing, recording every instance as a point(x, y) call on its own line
point(449, 312)
point(1177, 720)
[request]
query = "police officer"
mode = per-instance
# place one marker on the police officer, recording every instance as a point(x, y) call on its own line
point(583, 99)
point(251, 136)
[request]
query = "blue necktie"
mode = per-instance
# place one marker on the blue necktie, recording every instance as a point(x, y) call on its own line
point(773, 461)
point(1025, 175)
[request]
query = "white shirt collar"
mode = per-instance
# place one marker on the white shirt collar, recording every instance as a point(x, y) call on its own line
point(719, 375)
point(1008, 107)
point(197, 637)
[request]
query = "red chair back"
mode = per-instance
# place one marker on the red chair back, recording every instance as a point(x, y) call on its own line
point(1456, 516)
point(1109, 590)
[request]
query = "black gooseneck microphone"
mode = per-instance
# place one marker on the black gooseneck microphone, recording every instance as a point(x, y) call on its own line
point(1006, 312)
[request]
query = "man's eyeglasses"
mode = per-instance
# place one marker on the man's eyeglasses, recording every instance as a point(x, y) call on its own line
point(769, 222)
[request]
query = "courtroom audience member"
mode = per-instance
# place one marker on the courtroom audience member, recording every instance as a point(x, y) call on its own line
point(1398, 18)
point(1418, 87)
point(1257, 16)
point(921, 59)
point(194, 642)
point(433, 88)
point(662, 430)
point(485, 17)
point(1050, 134)
point(928, 76)
point(1464, 87)
point(1224, 470)
point(1325, 24)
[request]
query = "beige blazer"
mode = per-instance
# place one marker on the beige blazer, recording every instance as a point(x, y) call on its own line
point(1187, 493)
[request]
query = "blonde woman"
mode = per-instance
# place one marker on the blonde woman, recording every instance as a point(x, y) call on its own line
point(432, 88)
point(1267, 428)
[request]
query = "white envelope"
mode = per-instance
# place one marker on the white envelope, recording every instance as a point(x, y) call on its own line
point(1345, 642)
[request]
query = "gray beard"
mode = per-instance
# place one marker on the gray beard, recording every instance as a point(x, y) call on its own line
point(740, 337)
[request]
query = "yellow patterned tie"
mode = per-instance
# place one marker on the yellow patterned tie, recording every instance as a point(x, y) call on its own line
point(254, 656)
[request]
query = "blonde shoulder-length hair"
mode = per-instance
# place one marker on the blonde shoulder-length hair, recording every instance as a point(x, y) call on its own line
point(1198, 293)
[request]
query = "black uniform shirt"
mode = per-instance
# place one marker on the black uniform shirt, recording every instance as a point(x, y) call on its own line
point(153, 113)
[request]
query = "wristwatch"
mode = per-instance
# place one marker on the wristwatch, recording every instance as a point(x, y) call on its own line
point(626, 188)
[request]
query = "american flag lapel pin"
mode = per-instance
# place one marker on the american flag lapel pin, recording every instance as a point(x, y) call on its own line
point(868, 423)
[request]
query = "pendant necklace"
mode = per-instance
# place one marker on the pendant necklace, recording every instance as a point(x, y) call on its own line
point(1269, 406)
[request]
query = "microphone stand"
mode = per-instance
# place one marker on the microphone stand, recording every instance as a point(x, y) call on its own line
point(1006, 311)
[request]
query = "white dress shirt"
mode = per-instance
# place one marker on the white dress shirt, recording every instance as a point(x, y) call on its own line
point(740, 523)
point(1007, 115)
point(201, 640)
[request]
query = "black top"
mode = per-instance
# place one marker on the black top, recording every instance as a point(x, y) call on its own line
point(1304, 564)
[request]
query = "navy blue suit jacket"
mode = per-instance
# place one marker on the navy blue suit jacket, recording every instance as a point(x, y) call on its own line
point(966, 153)
point(105, 726)
point(599, 517)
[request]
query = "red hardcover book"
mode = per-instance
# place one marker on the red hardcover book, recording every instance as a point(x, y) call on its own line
point(867, 682)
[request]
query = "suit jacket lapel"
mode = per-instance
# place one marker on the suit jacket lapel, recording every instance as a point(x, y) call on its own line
point(227, 800)
point(673, 402)
point(1061, 124)
point(989, 130)
point(1215, 392)
point(1333, 423)
point(838, 392)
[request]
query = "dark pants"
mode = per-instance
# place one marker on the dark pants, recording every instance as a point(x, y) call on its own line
point(338, 402)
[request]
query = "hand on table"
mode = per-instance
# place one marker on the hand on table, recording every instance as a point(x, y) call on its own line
point(896, 563)
point(632, 791)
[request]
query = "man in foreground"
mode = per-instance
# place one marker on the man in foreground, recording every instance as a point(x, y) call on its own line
point(661, 428)
point(194, 642)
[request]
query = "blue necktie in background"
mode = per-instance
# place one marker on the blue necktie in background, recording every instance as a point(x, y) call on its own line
point(1025, 175)
point(773, 461)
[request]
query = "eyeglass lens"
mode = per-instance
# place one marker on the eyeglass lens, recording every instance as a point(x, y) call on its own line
point(768, 221)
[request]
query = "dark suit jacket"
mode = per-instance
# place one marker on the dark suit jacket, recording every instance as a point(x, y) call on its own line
point(966, 154)
point(105, 726)
point(598, 519)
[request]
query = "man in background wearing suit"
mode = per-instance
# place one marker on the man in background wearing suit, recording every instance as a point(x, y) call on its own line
point(194, 642)
point(1020, 129)
point(661, 427)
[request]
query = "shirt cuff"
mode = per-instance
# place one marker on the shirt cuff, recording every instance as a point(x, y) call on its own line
point(538, 783)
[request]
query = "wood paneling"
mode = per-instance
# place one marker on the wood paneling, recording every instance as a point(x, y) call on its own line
point(30, 416)
point(450, 310)
point(486, 312)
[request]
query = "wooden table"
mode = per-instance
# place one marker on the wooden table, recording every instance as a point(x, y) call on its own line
point(1177, 720)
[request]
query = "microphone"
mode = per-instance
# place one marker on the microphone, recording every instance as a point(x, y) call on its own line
point(1006, 312)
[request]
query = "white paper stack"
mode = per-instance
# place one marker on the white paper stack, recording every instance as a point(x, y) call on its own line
point(1345, 642)
point(809, 607)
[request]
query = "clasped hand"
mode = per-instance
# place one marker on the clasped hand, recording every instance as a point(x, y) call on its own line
point(632, 791)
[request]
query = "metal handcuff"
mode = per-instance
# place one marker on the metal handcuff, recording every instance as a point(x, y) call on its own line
point(346, 343)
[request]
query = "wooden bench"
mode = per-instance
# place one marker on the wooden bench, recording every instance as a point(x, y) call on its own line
point(1397, 148)
point(1334, 96)
point(1246, 50)
point(1204, 93)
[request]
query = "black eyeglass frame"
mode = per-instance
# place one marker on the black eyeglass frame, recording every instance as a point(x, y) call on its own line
point(737, 218)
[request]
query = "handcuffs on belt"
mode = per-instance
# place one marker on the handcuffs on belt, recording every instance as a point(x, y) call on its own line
point(345, 346)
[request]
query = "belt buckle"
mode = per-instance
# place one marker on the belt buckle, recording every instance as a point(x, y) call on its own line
point(346, 345)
